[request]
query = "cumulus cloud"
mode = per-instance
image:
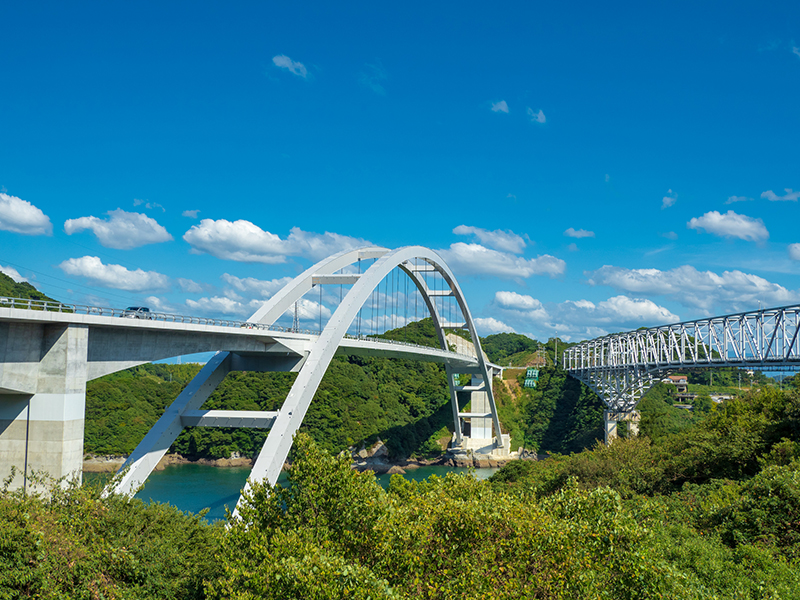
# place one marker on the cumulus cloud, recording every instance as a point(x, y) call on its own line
point(500, 106)
point(114, 276)
point(731, 225)
point(536, 117)
point(578, 233)
point(122, 230)
point(244, 241)
point(284, 62)
point(491, 325)
point(13, 273)
point(252, 286)
point(669, 199)
point(192, 214)
point(506, 241)
point(474, 259)
point(730, 291)
point(794, 251)
point(789, 196)
point(20, 216)
point(581, 318)
point(732, 199)
point(670, 235)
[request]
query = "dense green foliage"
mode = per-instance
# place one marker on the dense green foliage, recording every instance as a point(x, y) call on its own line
point(710, 512)
point(76, 545)
point(405, 403)
point(500, 346)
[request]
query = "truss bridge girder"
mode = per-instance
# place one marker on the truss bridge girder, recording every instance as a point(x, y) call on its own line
point(621, 367)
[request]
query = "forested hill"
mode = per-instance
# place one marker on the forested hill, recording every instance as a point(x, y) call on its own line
point(11, 289)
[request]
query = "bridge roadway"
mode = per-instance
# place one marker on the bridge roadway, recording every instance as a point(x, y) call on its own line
point(115, 343)
point(49, 352)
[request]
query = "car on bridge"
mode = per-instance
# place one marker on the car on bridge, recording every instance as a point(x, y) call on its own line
point(137, 312)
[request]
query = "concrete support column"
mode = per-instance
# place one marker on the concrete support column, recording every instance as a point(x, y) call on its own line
point(610, 425)
point(633, 424)
point(612, 417)
point(479, 401)
point(43, 431)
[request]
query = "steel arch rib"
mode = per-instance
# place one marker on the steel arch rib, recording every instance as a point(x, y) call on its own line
point(276, 447)
point(145, 457)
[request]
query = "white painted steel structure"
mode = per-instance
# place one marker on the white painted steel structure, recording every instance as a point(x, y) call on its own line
point(416, 262)
point(621, 367)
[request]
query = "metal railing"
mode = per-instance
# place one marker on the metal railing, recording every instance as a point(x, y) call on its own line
point(83, 309)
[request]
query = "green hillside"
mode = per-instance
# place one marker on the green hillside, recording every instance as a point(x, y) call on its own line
point(11, 289)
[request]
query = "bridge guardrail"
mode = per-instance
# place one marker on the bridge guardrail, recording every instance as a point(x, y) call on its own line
point(83, 309)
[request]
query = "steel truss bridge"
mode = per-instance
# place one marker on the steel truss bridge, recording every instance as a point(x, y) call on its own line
point(621, 367)
point(48, 352)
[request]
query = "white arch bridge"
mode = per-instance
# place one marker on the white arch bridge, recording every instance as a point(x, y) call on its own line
point(621, 367)
point(48, 352)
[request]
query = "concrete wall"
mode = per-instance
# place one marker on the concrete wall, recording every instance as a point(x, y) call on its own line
point(43, 431)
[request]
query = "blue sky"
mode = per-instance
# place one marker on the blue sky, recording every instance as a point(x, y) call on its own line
point(584, 168)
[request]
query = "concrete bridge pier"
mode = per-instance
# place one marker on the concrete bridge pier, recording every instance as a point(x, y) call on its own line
point(612, 417)
point(42, 400)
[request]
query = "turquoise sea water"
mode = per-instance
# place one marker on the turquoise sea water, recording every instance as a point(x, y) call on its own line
point(192, 488)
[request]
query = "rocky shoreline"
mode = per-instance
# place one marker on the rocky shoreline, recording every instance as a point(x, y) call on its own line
point(375, 459)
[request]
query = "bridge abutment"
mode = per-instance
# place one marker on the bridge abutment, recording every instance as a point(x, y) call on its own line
point(43, 431)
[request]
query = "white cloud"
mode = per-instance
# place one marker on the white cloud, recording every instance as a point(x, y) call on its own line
point(13, 273)
point(192, 214)
point(578, 233)
point(670, 235)
point(796, 51)
point(513, 300)
point(245, 242)
point(219, 305)
point(474, 259)
point(500, 106)
point(536, 117)
point(506, 241)
point(573, 247)
point(284, 62)
point(251, 285)
point(732, 199)
point(20, 216)
point(114, 276)
point(159, 305)
point(491, 325)
point(123, 230)
point(608, 177)
point(794, 251)
point(790, 196)
point(731, 225)
point(730, 291)
point(581, 318)
point(669, 199)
